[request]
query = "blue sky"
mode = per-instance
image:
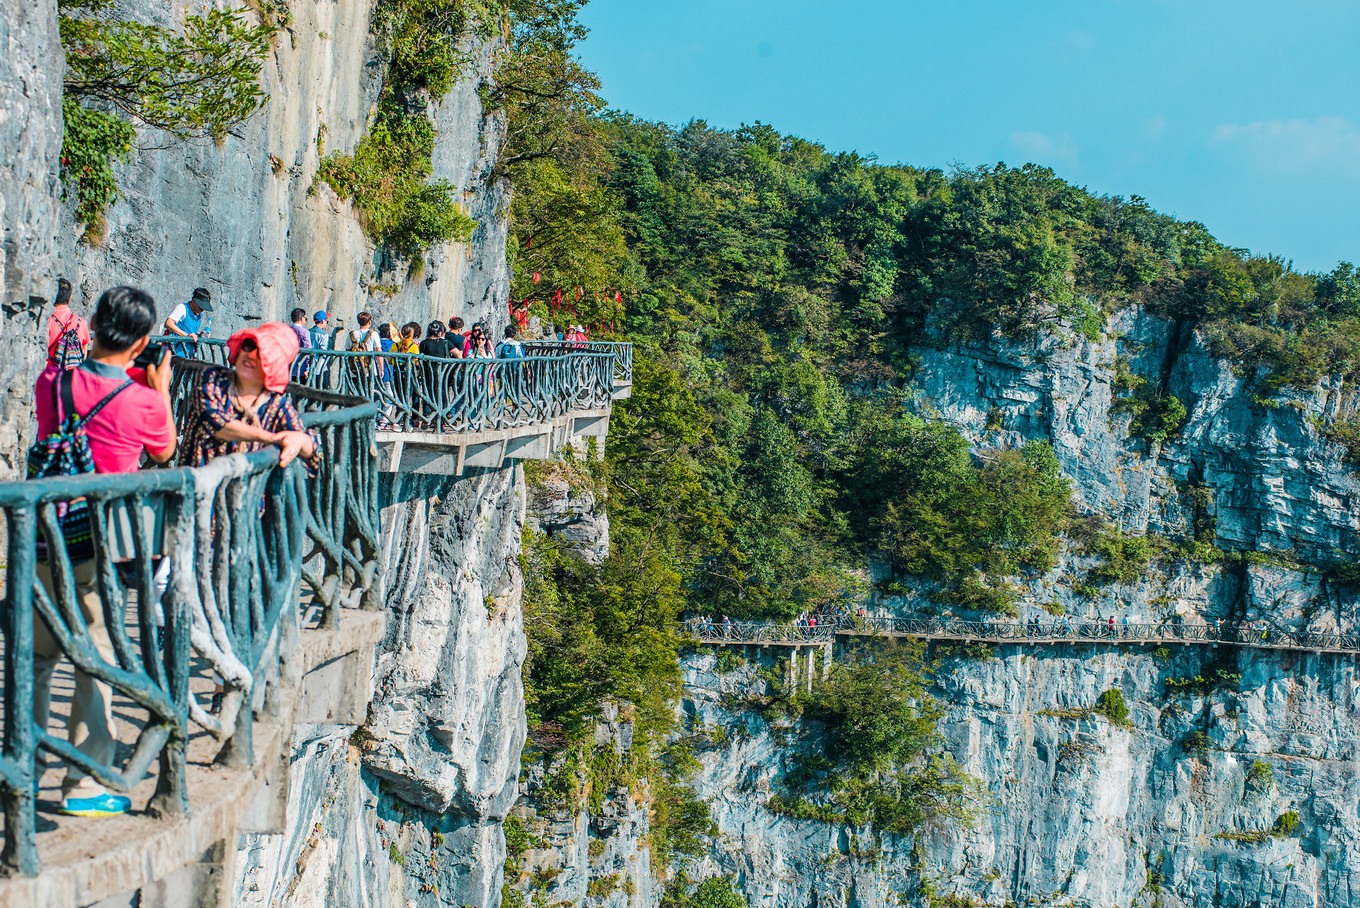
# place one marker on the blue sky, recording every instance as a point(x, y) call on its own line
point(1244, 115)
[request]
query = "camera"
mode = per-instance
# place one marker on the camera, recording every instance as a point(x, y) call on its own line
point(151, 356)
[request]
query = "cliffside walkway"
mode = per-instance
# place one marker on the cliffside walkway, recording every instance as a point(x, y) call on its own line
point(269, 618)
point(1008, 633)
point(442, 416)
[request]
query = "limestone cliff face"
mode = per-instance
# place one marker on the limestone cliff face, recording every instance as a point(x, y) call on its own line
point(407, 810)
point(31, 65)
point(263, 238)
point(1088, 813)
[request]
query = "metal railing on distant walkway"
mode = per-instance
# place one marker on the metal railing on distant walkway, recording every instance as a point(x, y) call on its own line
point(240, 534)
point(418, 393)
point(1046, 633)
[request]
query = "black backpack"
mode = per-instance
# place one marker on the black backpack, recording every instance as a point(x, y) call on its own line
point(66, 452)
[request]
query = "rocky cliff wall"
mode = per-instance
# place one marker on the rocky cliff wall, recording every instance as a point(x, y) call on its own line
point(31, 65)
point(1088, 813)
point(265, 239)
point(407, 810)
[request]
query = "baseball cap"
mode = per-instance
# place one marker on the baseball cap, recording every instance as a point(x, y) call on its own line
point(320, 317)
point(203, 299)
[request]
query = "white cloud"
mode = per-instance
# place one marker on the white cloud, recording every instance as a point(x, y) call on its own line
point(1296, 146)
point(1044, 150)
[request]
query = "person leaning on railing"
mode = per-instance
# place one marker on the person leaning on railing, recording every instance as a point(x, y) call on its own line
point(246, 407)
point(135, 418)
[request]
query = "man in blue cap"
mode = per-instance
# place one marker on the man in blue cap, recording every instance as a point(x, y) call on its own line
point(192, 320)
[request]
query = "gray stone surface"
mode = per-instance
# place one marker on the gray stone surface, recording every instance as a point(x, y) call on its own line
point(1276, 484)
point(217, 215)
point(609, 847)
point(31, 66)
point(1086, 810)
point(563, 504)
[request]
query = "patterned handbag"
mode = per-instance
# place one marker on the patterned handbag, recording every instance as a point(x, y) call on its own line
point(66, 452)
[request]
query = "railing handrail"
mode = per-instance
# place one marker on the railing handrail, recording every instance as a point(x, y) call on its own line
point(454, 395)
point(241, 534)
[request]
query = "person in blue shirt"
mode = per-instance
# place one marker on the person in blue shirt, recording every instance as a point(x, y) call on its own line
point(192, 320)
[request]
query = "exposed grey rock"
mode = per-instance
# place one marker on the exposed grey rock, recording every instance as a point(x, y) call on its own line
point(31, 66)
point(1086, 810)
point(448, 717)
point(1276, 485)
point(586, 856)
point(218, 215)
point(564, 504)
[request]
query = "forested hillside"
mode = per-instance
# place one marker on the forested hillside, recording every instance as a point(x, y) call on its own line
point(777, 294)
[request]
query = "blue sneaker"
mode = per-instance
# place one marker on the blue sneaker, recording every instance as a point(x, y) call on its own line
point(104, 805)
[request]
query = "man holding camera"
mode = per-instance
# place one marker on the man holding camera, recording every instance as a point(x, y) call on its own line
point(135, 418)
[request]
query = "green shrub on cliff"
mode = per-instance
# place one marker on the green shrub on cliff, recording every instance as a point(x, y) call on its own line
point(875, 755)
point(200, 79)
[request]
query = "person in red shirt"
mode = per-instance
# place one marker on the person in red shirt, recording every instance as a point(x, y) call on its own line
point(62, 320)
point(138, 419)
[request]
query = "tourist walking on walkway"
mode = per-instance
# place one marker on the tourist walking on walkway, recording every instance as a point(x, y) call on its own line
point(68, 337)
point(321, 340)
point(435, 383)
point(128, 413)
point(301, 367)
point(246, 406)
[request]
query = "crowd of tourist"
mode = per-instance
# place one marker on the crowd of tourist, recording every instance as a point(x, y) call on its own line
point(103, 405)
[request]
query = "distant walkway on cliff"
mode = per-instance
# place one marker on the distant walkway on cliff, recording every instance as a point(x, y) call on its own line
point(1016, 633)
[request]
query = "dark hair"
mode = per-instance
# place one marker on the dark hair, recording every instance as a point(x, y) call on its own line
point(63, 291)
point(363, 318)
point(478, 329)
point(411, 328)
point(436, 329)
point(385, 331)
point(122, 317)
point(511, 330)
point(457, 323)
point(298, 315)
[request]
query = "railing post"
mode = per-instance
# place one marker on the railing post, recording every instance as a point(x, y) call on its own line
point(20, 852)
point(172, 792)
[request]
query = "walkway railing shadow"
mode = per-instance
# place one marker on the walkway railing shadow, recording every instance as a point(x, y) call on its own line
point(240, 535)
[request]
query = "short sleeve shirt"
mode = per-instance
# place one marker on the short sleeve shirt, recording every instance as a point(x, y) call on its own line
point(136, 420)
point(364, 339)
point(186, 320)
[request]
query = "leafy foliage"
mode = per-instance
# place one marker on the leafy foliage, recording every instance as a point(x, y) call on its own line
point(204, 80)
point(878, 759)
point(92, 143)
point(713, 892)
point(387, 175)
point(387, 178)
point(201, 80)
point(1112, 706)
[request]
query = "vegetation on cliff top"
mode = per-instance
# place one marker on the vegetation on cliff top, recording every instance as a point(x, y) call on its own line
point(200, 80)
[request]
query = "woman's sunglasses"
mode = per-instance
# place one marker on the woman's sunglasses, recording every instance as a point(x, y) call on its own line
point(249, 346)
